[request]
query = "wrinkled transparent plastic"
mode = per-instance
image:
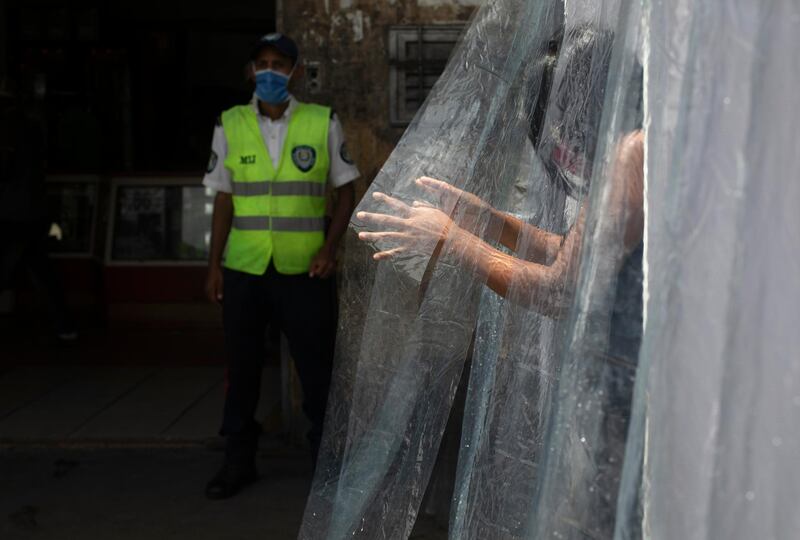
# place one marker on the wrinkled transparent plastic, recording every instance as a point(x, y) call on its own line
point(407, 324)
point(717, 401)
point(527, 266)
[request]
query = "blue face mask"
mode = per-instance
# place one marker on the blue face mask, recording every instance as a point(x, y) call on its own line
point(272, 87)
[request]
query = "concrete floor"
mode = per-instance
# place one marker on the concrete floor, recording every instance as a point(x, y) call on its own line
point(127, 386)
point(110, 403)
point(137, 494)
point(109, 439)
point(144, 493)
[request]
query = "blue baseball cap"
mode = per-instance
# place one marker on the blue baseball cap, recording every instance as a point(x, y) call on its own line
point(283, 44)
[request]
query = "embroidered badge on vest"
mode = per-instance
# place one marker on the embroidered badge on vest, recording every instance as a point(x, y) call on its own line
point(304, 157)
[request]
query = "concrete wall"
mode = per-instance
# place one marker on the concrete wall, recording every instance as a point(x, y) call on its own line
point(348, 38)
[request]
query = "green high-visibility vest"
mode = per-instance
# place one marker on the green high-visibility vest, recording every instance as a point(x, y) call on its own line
point(278, 213)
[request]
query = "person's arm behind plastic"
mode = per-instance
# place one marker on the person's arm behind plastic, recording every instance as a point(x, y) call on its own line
point(547, 287)
point(419, 227)
point(542, 246)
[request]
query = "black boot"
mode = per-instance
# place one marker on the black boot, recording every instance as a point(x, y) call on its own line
point(230, 479)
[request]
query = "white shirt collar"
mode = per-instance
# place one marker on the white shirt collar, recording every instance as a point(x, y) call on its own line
point(287, 114)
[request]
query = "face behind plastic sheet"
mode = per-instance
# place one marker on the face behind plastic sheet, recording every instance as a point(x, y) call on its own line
point(565, 117)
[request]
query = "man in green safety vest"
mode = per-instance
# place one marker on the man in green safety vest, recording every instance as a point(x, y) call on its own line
point(271, 162)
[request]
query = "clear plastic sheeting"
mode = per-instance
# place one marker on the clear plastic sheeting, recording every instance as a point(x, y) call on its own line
point(539, 264)
point(718, 402)
point(544, 455)
point(407, 324)
point(524, 244)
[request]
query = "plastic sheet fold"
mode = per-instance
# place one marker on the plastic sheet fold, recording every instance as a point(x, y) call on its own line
point(715, 421)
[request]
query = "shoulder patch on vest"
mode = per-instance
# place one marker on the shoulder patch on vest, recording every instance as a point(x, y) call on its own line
point(304, 157)
point(212, 162)
point(345, 155)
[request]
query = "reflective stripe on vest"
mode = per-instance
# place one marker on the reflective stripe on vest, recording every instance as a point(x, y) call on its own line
point(265, 187)
point(283, 224)
point(279, 209)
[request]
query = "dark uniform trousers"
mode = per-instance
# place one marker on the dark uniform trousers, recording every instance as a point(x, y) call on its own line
point(304, 309)
point(24, 246)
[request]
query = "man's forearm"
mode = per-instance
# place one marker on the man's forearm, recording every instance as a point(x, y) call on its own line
point(220, 227)
point(341, 216)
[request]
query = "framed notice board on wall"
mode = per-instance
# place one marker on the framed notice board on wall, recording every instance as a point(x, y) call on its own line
point(159, 221)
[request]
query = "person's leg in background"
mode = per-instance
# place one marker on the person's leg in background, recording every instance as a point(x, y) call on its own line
point(37, 262)
point(307, 312)
point(245, 316)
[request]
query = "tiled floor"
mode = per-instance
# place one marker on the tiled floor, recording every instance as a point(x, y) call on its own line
point(143, 385)
point(109, 439)
point(115, 404)
point(139, 494)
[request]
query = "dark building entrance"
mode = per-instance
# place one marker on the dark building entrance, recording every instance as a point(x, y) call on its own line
point(128, 93)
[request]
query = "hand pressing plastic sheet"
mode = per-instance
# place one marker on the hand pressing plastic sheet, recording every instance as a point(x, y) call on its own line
point(520, 89)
